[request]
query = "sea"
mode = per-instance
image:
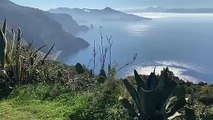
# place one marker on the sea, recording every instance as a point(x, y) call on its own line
point(183, 42)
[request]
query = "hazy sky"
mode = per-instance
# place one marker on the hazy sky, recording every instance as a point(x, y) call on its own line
point(119, 4)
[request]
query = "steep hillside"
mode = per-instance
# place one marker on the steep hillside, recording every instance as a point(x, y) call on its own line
point(68, 23)
point(38, 26)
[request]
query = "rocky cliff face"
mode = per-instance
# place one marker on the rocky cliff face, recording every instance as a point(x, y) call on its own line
point(40, 27)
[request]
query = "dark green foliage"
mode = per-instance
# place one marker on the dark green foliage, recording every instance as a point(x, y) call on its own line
point(102, 76)
point(91, 75)
point(152, 97)
point(5, 89)
point(189, 114)
point(103, 73)
point(79, 68)
point(207, 100)
point(175, 105)
point(208, 117)
point(129, 107)
point(101, 79)
point(180, 91)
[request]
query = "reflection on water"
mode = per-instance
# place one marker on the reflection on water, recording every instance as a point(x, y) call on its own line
point(184, 42)
point(179, 69)
point(138, 29)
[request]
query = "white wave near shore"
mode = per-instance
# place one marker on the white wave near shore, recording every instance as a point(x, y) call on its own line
point(179, 69)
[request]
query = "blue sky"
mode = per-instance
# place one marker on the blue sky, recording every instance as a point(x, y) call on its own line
point(119, 4)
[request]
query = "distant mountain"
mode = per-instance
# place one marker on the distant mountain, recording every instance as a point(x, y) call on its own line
point(68, 23)
point(40, 27)
point(197, 10)
point(174, 10)
point(148, 9)
point(106, 14)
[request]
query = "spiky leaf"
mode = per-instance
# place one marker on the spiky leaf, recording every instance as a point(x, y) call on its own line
point(147, 105)
point(164, 89)
point(140, 82)
point(170, 103)
point(4, 29)
point(152, 81)
point(132, 91)
point(177, 105)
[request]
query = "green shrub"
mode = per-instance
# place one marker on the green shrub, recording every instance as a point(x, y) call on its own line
point(79, 68)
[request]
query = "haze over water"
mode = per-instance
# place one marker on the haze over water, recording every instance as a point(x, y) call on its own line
point(183, 42)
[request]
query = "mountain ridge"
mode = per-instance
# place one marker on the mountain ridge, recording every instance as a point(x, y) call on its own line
point(39, 26)
point(172, 10)
point(106, 14)
point(68, 23)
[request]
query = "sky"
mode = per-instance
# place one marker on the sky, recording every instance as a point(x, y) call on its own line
point(119, 4)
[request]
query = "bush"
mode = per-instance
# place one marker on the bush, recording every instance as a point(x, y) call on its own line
point(79, 68)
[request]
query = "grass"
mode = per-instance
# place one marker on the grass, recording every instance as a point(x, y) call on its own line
point(28, 104)
point(51, 102)
point(32, 110)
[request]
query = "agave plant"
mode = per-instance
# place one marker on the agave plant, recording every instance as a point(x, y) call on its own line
point(153, 98)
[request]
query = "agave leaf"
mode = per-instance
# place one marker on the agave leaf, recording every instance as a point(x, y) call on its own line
point(165, 88)
point(171, 102)
point(152, 81)
point(190, 114)
point(140, 82)
point(129, 107)
point(180, 91)
point(177, 114)
point(4, 29)
point(132, 92)
point(147, 105)
point(180, 103)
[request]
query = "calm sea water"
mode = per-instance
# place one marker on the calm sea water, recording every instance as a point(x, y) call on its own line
point(183, 42)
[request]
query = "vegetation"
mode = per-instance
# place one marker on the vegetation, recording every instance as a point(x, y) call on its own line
point(147, 93)
point(34, 87)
